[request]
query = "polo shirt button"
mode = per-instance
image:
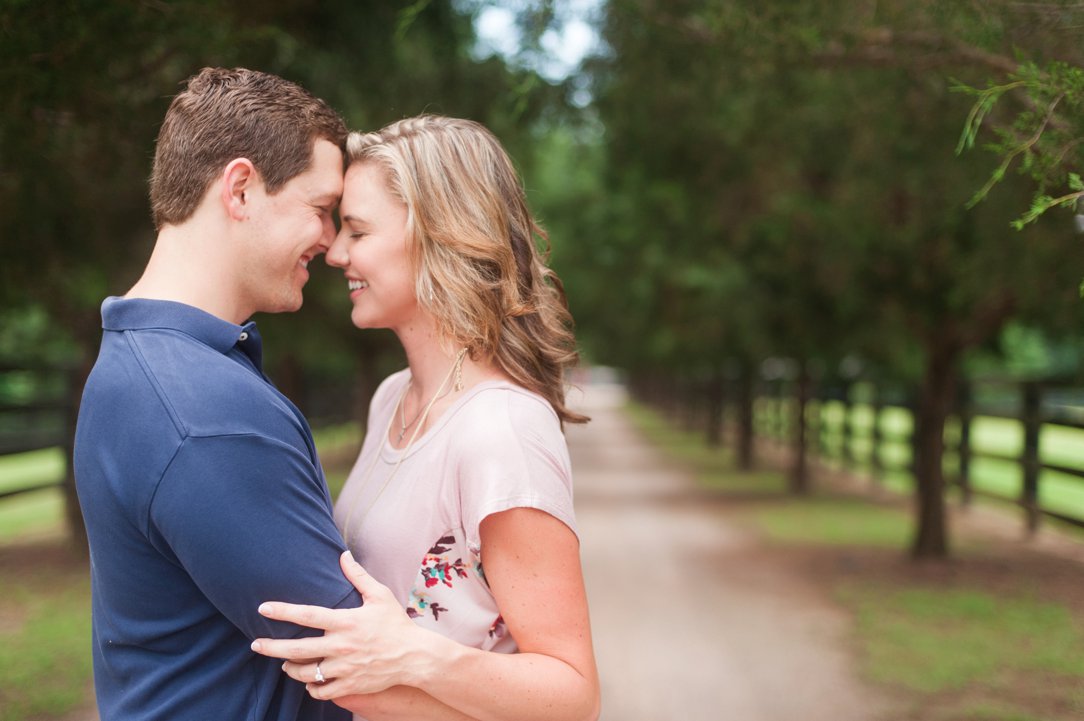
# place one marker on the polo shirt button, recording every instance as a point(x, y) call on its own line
point(243, 337)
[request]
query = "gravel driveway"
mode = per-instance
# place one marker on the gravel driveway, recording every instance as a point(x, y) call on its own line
point(689, 624)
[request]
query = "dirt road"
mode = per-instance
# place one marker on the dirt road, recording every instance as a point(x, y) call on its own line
point(689, 624)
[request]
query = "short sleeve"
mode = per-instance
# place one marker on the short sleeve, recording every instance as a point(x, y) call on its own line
point(248, 519)
point(515, 457)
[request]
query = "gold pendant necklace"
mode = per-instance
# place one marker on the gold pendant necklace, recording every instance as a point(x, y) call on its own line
point(457, 371)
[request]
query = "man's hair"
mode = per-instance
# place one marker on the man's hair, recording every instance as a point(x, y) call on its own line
point(226, 114)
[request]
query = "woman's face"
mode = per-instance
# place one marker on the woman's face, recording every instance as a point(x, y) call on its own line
point(371, 248)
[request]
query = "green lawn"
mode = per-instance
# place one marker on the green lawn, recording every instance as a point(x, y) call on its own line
point(30, 469)
point(45, 662)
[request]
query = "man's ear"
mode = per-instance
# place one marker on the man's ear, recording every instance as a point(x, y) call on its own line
point(235, 186)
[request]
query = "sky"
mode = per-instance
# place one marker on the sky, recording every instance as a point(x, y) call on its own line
point(565, 46)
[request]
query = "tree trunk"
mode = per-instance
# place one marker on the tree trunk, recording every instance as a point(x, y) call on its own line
point(366, 382)
point(936, 396)
point(73, 513)
point(690, 405)
point(745, 421)
point(799, 471)
point(289, 378)
point(716, 404)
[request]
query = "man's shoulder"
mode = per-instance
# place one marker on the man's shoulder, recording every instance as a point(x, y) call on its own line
point(203, 392)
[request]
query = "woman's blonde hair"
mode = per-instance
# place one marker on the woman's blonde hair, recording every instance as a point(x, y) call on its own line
point(478, 268)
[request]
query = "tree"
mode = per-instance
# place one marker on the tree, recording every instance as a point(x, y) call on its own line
point(87, 83)
point(808, 150)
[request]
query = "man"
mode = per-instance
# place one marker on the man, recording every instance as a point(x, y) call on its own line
point(199, 481)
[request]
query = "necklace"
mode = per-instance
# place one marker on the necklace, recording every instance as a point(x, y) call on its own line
point(457, 371)
point(457, 386)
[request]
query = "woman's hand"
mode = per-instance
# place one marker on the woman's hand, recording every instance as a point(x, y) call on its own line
point(363, 650)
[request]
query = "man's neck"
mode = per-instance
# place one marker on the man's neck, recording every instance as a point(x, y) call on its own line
point(185, 267)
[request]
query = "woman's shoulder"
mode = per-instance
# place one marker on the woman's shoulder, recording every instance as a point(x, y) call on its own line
point(505, 401)
point(498, 415)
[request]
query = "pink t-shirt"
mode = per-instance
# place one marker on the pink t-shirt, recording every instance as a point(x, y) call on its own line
point(497, 447)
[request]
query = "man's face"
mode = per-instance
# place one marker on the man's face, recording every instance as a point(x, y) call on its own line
point(289, 229)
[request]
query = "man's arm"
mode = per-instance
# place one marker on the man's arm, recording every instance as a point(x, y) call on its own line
point(247, 518)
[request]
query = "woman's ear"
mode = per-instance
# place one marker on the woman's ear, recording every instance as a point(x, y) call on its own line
point(235, 186)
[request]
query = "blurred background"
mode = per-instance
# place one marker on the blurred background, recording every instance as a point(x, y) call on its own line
point(824, 255)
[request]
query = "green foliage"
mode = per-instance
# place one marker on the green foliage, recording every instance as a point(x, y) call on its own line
point(1044, 139)
point(86, 87)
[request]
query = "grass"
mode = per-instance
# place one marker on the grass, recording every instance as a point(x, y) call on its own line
point(714, 467)
point(32, 515)
point(959, 652)
point(972, 653)
point(833, 521)
point(21, 470)
point(932, 640)
point(45, 658)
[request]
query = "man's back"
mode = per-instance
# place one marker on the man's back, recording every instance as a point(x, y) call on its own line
point(203, 497)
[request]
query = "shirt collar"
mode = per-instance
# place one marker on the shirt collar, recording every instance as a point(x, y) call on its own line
point(120, 314)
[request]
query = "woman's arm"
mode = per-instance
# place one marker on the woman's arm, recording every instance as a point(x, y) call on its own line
point(400, 703)
point(532, 566)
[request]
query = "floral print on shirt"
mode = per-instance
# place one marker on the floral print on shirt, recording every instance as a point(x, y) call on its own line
point(441, 570)
point(436, 569)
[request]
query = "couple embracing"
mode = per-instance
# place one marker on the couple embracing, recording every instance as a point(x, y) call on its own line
point(445, 582)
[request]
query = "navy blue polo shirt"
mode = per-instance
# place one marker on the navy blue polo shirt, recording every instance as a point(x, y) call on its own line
point(203, 497)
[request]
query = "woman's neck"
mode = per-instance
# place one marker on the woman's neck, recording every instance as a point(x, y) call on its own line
point(431, 359)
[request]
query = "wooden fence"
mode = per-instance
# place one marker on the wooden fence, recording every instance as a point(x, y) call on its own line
point(37, 411)
point(39, 403)
point(837, 436)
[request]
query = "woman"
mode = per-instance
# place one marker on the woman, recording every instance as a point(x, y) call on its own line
point(460, 502)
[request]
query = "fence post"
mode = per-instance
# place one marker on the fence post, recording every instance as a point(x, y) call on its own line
point(877, 468)
point(846, 451)
point(911, 403)
point(781, 420)
point(746, 394)
point(966, 413)
point(799, 476)
point(820, 439)
point(1030, 460)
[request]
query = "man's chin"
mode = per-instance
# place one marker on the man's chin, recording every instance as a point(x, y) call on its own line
point(284, 305)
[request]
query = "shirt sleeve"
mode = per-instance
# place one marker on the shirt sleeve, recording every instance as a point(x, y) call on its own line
point(248, 519)
point(516, 457)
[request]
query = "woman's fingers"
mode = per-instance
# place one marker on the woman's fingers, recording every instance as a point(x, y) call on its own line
point(311, 616)
point(292, 648)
